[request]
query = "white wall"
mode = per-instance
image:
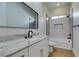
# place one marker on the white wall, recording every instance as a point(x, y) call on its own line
point(75, 7)
point(60, 10)
point(38, 7)
point(42, 11)
point(63, 31)
point(65, 21)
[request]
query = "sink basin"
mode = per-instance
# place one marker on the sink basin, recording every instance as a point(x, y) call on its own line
point(37, 36)
point(32, 39)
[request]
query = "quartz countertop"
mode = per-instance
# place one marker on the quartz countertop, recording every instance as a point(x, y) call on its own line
point(9, 47)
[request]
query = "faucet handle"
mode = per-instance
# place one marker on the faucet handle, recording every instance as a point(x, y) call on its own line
point(25, 37)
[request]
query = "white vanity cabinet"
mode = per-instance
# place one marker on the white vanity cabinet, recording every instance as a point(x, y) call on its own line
point(34, 48)
point(21, 53)
point(39, 49)
point(26, 52)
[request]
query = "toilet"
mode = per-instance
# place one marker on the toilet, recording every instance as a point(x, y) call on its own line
point(51, 45)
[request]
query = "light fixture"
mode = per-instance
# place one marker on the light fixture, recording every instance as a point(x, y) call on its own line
point(47, 18)
point(58, 4)
point(55, 17)
point(62, 16)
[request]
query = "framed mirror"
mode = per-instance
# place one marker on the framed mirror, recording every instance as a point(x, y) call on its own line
point(18, 15)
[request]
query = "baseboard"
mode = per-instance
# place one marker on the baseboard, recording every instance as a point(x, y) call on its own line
point(75, 53)
point(63, 47)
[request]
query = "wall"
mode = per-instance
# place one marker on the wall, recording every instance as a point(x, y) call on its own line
point(38, 7)
point(75, 14)
point(42, 11)
point(60, 31)
point(60, 10)
point(65, 21)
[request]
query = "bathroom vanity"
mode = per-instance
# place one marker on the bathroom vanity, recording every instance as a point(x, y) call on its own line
point(31, 47)
point(21, 16)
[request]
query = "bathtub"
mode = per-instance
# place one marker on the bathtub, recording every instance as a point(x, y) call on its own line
point(61, 43)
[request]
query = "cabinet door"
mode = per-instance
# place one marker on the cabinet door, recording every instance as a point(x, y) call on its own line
point(22, 53)
point(39, 49)
point(34, 50)
point(18, 54)
point(26, 52)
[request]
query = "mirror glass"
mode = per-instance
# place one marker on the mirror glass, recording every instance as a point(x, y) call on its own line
point(18, 15)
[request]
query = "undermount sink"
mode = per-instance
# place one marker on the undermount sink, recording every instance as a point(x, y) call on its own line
point(32, 39)
point(37, 36)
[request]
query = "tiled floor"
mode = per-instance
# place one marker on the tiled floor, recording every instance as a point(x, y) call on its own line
point(58, 52)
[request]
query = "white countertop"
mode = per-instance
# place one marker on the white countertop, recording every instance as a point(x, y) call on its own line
point(9, 47)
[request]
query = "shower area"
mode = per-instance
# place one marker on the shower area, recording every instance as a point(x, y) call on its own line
point(58, 28)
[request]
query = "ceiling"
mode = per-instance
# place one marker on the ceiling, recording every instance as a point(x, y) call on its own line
point(51, 5)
